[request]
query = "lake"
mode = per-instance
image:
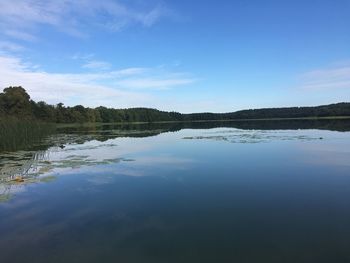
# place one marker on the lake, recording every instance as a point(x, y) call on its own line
point(268, 191)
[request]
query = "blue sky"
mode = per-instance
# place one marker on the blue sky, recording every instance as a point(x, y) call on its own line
point(187, 56)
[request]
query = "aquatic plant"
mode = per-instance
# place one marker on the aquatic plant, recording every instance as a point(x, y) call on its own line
point(253, 136)
point(18, 134)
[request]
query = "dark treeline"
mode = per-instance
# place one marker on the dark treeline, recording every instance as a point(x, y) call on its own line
point(15, 102)
point(332, 110)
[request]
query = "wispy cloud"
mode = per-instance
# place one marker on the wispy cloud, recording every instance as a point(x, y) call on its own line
point(10, 46)
point(155, 83)
point(114, 88)
point(84, 57)
point(97, 65)
point(89, 61)
point(69, 88)
point(75, 17)
point(20, 35)
point(327, 79)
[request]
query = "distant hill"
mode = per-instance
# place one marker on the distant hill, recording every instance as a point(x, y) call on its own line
point(15, 102)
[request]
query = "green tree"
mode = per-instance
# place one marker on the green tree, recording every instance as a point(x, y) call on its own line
point(15, 101)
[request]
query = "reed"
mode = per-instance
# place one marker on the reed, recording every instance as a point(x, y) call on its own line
point(18, 134)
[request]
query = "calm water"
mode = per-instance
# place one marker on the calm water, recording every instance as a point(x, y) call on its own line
point(180, 193)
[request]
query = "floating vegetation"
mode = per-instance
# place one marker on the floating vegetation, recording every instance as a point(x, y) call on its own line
point(78, 162)
point(240, 136)
point(21, 163)
point(64, 152)
point(10, 186)
point(43, 172)
point(128, 160)
point(89, 147)
point(44, 169)
point(18, 179)
point(5, 197)
point(48, 179)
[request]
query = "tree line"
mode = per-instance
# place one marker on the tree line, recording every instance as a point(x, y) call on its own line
point(16, 102)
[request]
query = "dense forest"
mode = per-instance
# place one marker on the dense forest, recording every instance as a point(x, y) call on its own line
point(15, 102)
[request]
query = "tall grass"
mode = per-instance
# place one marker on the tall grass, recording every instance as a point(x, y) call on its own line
point(18, 134)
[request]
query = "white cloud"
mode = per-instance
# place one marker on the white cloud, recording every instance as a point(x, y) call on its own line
point(144, 83)
point(327, 79)
point(98, 65)
point(84, 57)
point(74, 17)
point(89, 89)
point(90, 62)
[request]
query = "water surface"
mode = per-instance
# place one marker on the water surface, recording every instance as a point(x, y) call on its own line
point(228, 192)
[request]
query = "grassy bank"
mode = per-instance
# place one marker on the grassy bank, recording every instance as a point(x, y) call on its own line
point(20, 134)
